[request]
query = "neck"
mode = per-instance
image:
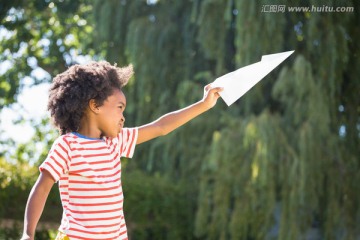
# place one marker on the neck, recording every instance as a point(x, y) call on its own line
point(87, 128)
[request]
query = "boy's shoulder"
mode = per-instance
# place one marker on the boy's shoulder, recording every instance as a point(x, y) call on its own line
point(65, 137)
point(67, 140)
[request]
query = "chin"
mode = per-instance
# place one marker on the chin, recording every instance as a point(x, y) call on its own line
point(114, 135)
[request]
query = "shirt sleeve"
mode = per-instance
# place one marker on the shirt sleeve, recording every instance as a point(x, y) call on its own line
point(58, 159)
point(127, 141)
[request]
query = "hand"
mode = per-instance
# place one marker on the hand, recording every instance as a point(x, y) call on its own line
point(26, 237)
point(211, 95)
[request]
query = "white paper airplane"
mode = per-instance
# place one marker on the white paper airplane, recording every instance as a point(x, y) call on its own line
point(237, 83)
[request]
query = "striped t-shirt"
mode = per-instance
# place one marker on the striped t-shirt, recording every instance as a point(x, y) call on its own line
point(88, 172)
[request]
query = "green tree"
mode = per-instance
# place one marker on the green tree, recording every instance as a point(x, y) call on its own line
point(284, 159)
point(298, 157)
point(40, 34)
point(281, 163)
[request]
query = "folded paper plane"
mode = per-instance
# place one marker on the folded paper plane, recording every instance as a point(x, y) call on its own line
point(237, 83)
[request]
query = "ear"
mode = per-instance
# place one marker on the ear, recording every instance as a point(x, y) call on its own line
point(93, 106)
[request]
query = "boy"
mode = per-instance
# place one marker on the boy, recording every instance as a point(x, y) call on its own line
point(87, 104)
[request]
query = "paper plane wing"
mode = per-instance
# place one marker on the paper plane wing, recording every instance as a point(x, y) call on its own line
point(276, 57)
point(237, 83)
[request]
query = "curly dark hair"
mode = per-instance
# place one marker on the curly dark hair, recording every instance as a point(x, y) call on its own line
point(71, 91)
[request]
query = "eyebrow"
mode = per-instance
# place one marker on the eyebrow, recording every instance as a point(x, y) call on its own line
point(122, 103)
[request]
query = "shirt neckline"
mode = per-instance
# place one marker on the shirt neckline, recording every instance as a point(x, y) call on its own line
point(85, 137)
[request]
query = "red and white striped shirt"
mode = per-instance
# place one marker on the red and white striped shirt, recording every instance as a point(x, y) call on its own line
point(89, 175)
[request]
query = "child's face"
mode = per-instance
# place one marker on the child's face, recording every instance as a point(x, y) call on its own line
point(110, 117)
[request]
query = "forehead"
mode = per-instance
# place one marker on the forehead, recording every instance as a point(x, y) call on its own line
point(117, 97)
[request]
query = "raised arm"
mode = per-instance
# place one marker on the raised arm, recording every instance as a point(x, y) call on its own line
point(36, 203)
point(169, 122)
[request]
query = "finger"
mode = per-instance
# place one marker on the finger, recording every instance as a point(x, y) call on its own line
point(207, 87)
point(216, 90)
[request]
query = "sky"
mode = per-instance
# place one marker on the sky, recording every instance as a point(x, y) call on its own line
point(31, 104)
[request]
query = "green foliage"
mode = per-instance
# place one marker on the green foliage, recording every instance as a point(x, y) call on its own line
point(40, 34)
point(16, 181)
point(14, 232)
point(279, 164)
point(155, 207)
point(238, 193)
point(303, 181)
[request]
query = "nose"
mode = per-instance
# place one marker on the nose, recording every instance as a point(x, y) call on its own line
point(122, 119)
